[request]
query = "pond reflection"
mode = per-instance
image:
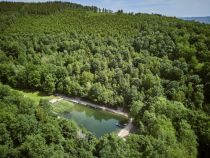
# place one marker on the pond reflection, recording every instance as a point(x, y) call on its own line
point(96, 121)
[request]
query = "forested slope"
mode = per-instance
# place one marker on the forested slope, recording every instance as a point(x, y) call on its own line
point(156, 67)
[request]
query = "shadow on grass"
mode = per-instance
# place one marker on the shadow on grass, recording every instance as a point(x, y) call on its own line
point(34, 92)
point(43, 94)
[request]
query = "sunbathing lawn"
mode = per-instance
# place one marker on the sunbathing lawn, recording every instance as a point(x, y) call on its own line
point(63, 106)
point(35, 95)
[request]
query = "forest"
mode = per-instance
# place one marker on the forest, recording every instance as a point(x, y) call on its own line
point(157, 68)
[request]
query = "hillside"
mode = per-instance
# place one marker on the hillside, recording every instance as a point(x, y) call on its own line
point(205, 20)
point(156, 68)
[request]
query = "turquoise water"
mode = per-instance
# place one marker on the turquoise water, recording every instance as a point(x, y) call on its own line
point(96, 121)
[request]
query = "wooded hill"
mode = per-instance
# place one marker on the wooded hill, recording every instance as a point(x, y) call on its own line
point(155, 67)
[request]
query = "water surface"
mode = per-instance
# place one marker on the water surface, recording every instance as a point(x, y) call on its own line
point(96, 121)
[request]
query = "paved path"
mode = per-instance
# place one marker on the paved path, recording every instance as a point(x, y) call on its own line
point(55, 100)
point(86, 103)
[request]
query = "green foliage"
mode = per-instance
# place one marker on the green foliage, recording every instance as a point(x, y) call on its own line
point(156, 67)
point(27, 133)
point(49, 84)
point(112, 146)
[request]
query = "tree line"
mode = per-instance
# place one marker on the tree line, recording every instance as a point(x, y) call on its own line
point(155, 67)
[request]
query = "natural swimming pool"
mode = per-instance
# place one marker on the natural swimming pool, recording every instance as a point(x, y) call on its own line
point(94, 120)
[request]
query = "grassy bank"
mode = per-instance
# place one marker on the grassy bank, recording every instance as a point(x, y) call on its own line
point(63, 106)
point(35, 95)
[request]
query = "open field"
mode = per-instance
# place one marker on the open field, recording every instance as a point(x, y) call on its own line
point(35, 95)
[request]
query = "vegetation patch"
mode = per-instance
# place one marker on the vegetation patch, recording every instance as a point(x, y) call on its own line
point(63, 106)
point(35, 95)
point(155, 67)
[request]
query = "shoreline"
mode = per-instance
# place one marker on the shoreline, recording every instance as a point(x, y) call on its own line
point(93, 105)
point(124, 132)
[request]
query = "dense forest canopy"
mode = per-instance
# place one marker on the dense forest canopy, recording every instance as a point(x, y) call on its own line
point(155, 67)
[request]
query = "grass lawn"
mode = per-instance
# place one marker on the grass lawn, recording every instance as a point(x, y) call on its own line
point(35, 95)
point(62, 106)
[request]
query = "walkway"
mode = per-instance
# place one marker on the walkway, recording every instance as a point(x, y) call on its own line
point(126, 131)
point(86, 103)
point(55, 100)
